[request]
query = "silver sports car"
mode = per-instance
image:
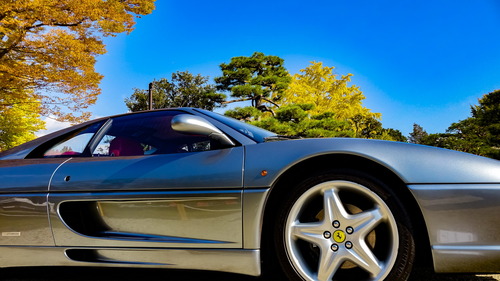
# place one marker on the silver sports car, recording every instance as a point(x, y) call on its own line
point(191, 189)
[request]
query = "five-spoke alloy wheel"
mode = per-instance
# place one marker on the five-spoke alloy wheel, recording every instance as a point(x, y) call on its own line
point(342, 226)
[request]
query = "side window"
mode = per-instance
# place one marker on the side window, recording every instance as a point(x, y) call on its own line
point(145, 134)
point(120, 146)
point(74, 144)
point(72, 147)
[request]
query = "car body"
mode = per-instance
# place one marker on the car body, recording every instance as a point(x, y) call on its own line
point(187, 188)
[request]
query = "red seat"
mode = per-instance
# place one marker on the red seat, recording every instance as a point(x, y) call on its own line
point(122, 146)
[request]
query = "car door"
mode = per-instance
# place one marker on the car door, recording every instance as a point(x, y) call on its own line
point(24, 185)
point(145, 185)
point(23, 201)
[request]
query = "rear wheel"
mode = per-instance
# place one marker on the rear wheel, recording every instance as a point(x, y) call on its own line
point(344, 225)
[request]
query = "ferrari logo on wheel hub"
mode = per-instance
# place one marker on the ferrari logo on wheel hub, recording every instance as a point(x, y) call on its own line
point(339, 236)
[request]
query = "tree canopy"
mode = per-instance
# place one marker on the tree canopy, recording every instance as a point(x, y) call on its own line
point(418, 134)
point(259, 78)
point(320, 86)
point(318, 104)
point(18, 121)
point(264, 81)
point(183, 90)
point(478, 134)
point(296, 120)
point(48, 50)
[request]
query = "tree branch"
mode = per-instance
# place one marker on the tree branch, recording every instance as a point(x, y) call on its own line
point(238, 100)
point(270, 101)
point(56, 24)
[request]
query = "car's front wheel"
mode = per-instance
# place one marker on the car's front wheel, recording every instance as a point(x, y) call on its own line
point(344, 225)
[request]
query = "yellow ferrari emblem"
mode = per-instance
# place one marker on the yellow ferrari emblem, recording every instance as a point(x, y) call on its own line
point(339, 236)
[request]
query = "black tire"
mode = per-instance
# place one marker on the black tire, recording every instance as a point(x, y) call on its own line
point(366, 235)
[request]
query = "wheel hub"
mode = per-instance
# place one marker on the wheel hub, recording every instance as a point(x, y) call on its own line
point(339, 236)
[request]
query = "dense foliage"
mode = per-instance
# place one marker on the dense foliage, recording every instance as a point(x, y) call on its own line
point(317, 103)
point(259, 78)
point(183, 90)
point(48, 50)
point(320, 86)
point(296, 120)
point(18, 121)
point(417, 135)
point(478, 134)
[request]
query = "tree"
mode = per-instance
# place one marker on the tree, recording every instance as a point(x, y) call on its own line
point(48, 50)
point(18, 121)
point(259, 78)
point(247, 113)
point(184, 90)
point(318, 104)
point(296, 120)
point(395, 135)
point(318, 85)
point(487, 114)
point(371, 128)
point(418, 134)
point(478, 134)
point(465, 135)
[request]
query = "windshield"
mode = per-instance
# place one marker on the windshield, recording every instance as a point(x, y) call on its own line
point(255, 133)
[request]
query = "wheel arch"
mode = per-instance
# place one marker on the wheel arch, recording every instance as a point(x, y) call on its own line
point(305, 168)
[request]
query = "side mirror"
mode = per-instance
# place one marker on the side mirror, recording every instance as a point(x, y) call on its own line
point(191, 124)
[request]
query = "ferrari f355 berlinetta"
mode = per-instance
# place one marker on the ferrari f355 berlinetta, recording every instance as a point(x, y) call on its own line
point(191, 189)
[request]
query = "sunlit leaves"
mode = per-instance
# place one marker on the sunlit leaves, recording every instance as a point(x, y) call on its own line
point(18, 121)
point(48, 50)
point(317, 103)
point(296, 120)
point(320, 86)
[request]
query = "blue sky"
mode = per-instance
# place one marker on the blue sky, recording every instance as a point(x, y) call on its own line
point(419, 62)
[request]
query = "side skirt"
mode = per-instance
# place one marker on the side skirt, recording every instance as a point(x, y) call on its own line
point(226, 260)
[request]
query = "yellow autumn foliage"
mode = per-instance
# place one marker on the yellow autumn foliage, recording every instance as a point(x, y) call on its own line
point(18, 121)
point(48, 50)
point(320, 86)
